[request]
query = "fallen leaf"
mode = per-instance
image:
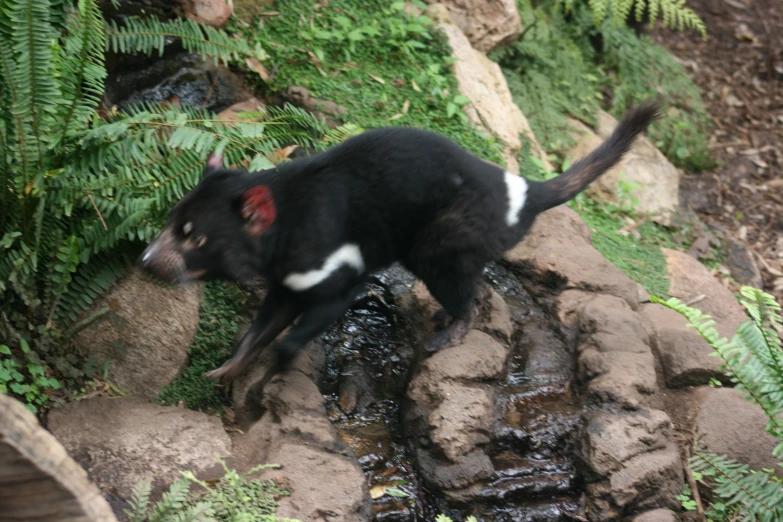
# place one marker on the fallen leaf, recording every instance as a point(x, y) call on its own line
point(405, 106)
point(257, 67)
point(417, 89)
point(396, 117)
point(377, 78)
point(394, 491)
point(279, 155)
point(377, 492)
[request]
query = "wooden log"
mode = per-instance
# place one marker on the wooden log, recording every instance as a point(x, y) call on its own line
point(39, 481)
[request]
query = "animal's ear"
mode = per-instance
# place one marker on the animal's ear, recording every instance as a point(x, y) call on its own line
point(258, 209)
point(214, 164)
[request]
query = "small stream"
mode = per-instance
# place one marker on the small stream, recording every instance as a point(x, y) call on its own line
point(537, 416)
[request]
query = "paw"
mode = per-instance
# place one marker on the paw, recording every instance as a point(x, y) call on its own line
point(228, 371)
point(439, 340)
point(441, 319)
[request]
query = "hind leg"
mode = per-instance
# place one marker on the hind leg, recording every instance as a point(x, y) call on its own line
point(457, 293)
point(441, 318)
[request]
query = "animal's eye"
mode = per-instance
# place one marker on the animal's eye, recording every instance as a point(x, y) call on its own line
point(187, 228)
point(200, 240)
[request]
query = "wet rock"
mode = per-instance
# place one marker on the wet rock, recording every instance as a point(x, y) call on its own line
point(609, 314)
point(625, 378)
point(686, 358)
point(356, 387)
point(609, 343)
point(185, 77)
point(462, 421)
point(690, 279)
point(472, 467)
point(568, 304)
point(146, 334)
point(295, 433)
point(481, 80)
point(419, 306)
point(214, 13)
point(657, 179)
point(729, 425)
point(742, 265)
point(478, 357)
point(121, 441)
point(562, 257)
point(613, 438)
point(657, 515)
point(38, 480)
point(497, 320)
point(486, 24)
point(649, 480)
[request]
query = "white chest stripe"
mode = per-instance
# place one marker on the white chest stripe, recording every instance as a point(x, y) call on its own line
point(516, 190)
point(347, 255)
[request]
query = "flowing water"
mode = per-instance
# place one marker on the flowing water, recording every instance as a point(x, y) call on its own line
point(370, 360)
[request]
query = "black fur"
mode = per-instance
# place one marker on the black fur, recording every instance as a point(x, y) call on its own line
point(400, 194)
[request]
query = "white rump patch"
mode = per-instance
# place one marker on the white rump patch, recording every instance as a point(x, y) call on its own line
point(516, 189)
point(347, 255)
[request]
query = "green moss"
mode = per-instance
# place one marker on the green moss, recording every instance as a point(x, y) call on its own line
point(385, 67)
point(563, 66)
point(641, 259)
point(219, 318)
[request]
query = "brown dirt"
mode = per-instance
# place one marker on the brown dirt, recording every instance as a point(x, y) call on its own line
point(740, 70)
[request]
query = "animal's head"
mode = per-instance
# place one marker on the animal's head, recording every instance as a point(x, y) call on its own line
point(212, 233)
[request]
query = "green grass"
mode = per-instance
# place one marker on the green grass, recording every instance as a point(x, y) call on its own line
point(219, 318)
point(340, 53)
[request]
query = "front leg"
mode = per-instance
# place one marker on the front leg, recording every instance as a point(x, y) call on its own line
point(274, 315)
point(314, 321)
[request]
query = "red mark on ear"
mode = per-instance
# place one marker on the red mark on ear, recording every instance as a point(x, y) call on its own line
point(258, 209)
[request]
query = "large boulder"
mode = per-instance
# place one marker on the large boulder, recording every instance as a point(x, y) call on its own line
point(122, 441)
point(481, 80)
point(486, 23)
point(214, 13)
point(729, 425)
point(556, 250)
point(657, 179)
point(686, 358)
point(38, 480)
point(316, 467)
point(146, 334)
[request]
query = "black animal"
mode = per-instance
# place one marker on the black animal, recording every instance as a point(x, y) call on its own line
point(316, 227)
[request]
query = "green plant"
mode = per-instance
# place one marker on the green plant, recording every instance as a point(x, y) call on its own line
point(217, 326)
point(32, 387)
point(385, 83)
point(549, 77)
point(753, 361)
point(233, 498)
point(79, 189)
point(674, 13)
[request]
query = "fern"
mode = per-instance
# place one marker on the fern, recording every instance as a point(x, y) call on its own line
point(674, 13)
point(753, 360)
point(78, 192)
point(548, 77)
point(148, 35)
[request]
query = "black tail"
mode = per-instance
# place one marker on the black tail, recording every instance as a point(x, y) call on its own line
point(573, 181)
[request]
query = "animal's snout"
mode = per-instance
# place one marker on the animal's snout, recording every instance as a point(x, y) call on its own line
point(163, 259)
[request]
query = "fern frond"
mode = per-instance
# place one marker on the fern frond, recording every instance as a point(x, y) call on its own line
point(81, 68)
point(751, 361)
point(148, 35)
point(31, 38)
point(140, 501)
point(757, 496)
point(171, 502)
